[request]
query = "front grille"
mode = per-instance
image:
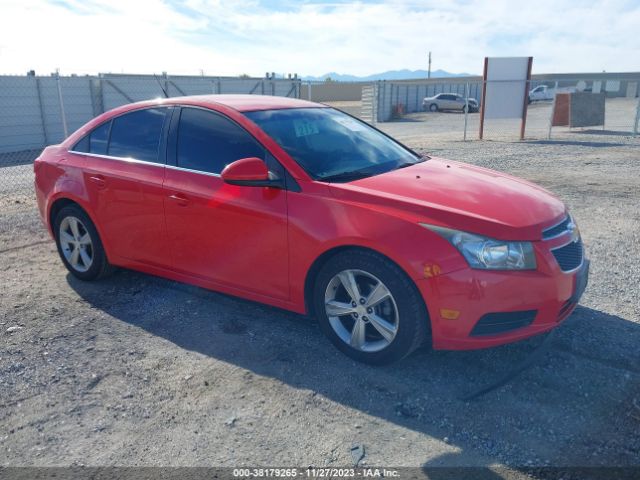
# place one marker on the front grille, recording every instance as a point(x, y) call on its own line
point(500, 322)
point(569, 257)
point(556, 229)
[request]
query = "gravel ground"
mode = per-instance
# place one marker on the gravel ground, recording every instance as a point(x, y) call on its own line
point(137, 370)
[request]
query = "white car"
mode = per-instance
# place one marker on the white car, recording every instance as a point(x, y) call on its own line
point(449, 101)
point(544, 92)
point(541, 92)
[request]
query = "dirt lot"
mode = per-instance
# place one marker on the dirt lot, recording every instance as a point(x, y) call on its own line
point(136, 370)
point(620, 116)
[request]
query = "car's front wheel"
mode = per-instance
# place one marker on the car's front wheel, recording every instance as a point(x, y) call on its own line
point(433, 107)
point(79, 244)
point(369, 308)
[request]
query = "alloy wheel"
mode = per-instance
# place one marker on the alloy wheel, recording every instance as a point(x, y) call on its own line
point(76, 244)
point(361, 310)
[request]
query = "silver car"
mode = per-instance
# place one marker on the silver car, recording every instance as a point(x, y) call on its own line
point(449, 101)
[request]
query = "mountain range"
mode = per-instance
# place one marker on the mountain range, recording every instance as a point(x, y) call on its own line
point(403, 74)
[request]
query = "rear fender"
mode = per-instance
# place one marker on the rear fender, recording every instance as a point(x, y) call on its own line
point(75, 192)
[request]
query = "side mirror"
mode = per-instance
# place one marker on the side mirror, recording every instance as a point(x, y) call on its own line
point(250, 172)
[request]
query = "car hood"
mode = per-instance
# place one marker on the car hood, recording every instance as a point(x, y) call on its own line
point(460, 196)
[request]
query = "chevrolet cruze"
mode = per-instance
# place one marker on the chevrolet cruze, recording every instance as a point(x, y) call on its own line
point(303, 207)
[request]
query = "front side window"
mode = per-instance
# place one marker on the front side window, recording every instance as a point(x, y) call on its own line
point(332, 146)
point(137, 135)
point(208, 142)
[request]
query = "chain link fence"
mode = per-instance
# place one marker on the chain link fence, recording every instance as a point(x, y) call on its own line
point(40, 111)
point(36, 111)
point(450, 109)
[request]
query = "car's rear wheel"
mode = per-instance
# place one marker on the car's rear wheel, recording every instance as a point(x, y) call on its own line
point(79, 244)
point(433, 107)
point(369, 308)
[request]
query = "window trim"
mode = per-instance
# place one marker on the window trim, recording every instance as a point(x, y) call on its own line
point(142, 162)
point(162, 141)
point(169, 143)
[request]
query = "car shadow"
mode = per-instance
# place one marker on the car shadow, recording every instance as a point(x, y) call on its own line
point(572, 408)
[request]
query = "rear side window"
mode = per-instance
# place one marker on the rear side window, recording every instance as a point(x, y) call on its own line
point(99, 138)
point(137, 135)
point(208, 142)
point(96, 141)
point(82, 145)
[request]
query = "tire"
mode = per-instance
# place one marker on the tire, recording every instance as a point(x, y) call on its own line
point(355, 333)
point(433, 107)
point(75, 232)
point(464, 108)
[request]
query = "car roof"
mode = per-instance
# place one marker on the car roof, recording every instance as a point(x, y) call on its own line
point(241, 103)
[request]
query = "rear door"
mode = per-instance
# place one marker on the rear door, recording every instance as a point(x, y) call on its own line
point(123, 174)
point(232, 235)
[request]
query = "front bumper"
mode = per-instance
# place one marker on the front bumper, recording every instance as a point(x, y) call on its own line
point(458, 300)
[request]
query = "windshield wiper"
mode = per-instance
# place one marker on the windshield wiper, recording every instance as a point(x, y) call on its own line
point(405, 165)
point(410, 164)
point(345, 176)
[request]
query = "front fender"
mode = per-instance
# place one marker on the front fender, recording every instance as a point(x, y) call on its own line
point(419, 252)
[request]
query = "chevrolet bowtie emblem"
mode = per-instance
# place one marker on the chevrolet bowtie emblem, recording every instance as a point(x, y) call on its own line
point(573, 231)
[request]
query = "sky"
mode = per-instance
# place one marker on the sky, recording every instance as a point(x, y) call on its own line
point(310, 37)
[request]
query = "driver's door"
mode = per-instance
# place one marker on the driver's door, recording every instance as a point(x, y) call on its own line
point(450, 102)
point(232, 235)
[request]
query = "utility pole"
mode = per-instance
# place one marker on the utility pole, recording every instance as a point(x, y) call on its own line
point(429, 71)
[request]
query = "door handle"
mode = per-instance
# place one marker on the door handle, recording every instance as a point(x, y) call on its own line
point(98, 180)
point(179, 199)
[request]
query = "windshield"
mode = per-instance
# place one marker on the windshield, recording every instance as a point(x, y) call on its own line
point(332, 146)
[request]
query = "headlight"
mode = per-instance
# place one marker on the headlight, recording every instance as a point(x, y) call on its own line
point(487, 253)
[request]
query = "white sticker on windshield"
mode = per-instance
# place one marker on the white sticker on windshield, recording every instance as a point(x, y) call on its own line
point(304, 128)
point(351, 124)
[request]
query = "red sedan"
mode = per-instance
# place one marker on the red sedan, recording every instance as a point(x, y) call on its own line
point(300, 206)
